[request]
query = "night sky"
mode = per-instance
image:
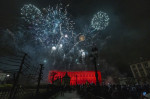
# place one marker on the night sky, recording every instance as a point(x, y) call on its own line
point(129, 25)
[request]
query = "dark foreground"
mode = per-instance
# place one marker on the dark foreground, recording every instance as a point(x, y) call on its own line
point(81, 92)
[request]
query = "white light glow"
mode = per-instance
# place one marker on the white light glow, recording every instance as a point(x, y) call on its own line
point(53, 48)
point(66, 36)
point(61, 45)
point(7, 75)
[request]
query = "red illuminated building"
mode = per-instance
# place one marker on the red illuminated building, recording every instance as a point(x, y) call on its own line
point(77, 77)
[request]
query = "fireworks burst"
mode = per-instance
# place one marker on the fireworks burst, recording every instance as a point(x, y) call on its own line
point(100, 21)
point(31, 13)
point(49, 27)
point(50, 31)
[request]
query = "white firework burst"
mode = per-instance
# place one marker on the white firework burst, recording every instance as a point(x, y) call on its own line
point(100, 21)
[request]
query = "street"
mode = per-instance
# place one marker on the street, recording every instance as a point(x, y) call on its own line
point(68, 95)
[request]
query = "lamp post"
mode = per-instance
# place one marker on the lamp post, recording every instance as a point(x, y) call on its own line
point(60, 80)
point(76, 80)
point(94, 57)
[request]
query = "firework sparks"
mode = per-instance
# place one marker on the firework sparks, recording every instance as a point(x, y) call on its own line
point(51, 31)
point(100, 21)
point(49, 28)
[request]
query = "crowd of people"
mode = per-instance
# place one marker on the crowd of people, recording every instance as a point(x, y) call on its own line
point(116, 91)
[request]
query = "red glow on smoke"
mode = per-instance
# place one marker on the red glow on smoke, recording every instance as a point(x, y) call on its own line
point(79, 77)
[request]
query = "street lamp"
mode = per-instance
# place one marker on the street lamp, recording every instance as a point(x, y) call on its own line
point(94, 57)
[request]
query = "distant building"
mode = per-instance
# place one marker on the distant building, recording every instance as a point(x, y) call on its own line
point(66, 80)
point(62, 81)
point(4, 77)
point(57, 81)
point(141, 71)
point(127, 81)
point(76, 77)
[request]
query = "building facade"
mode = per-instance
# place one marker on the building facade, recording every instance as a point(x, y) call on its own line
point(127, 81)
point(76, 77)
point(3, 76)
point(66, 80)
point(141, 71)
